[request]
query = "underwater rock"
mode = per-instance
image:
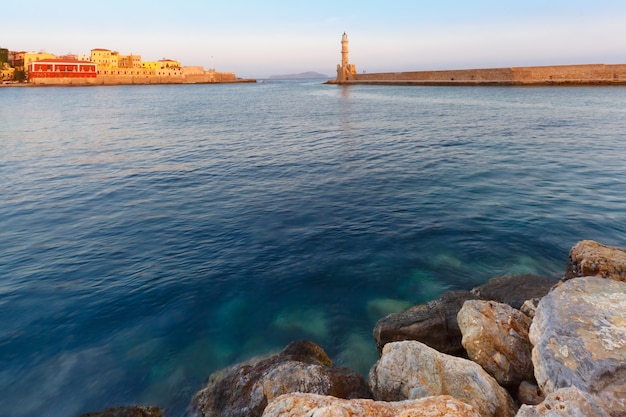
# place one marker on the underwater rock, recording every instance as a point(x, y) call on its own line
point(245, 389)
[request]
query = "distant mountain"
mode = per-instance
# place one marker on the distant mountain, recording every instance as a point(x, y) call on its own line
point(309, 74)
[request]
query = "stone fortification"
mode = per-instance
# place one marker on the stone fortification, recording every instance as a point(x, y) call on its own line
point(546, 75)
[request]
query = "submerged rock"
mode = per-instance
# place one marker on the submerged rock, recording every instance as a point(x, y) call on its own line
point(495, 336)
point(127, 411)
point(409, 370)
point(246, 389)
point(590, 258)
point(565, 402)
point(579, 338)
point(312, 405)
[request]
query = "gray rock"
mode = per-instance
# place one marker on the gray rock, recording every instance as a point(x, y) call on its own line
point(495, 336)
point(409, 370)
point(589, 258)
point(515, 289)
point(579, 338)
point(246, 389)
point(565, 402)
point(433, 324)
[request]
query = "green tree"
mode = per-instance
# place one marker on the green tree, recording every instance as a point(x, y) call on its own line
point(19, 75)
point(4, 56)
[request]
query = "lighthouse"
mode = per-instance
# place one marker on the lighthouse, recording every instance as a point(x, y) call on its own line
point(345, 70)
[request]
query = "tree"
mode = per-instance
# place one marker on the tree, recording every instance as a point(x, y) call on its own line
point(19, 75)
point(4, 56)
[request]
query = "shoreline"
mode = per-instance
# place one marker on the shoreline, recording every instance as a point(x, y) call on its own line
point(109, 84)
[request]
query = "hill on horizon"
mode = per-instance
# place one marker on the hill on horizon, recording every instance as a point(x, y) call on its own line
point(308, 74)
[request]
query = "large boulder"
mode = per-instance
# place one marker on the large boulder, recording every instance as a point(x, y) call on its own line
point(313, 405)
point(127, 411)
point(565, 402)
point(495, 336)
point(435, 323)
point(409, 370)
point(514, 290)
point(246, 389)
point(590, 258)
point(579, 338)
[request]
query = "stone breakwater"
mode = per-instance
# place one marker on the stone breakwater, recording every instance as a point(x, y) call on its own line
point(522, 345)
point(589, 74)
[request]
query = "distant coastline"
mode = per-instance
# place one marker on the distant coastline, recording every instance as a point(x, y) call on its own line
point(300, 76)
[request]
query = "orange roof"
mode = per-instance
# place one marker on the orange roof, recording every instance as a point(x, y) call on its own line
point(60, 60)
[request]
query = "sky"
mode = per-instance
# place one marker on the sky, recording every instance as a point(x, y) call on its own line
point(261, 38)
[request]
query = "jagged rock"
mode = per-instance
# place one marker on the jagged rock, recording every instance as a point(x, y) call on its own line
point(565, 402)
point(589, 258)
point(435, 323)
point(530, 306)
point(529, 393)
point(495, 336)
point(245, 389)
point(408, 370)
point(579, 338)
point(515, 289)
point(127, 411)
point(312, 405)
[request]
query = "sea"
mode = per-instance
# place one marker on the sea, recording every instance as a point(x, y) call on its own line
point(151, 235)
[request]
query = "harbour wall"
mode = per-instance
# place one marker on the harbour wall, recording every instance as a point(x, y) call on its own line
point(588, 74)
point(208, 77)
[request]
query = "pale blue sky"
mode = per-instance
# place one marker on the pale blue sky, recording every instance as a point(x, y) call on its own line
point(261, 38)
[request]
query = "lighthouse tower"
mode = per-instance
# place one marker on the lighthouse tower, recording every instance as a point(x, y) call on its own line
point(345, 70)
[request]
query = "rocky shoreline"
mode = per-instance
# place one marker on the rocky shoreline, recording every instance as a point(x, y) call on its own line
point(522, 345)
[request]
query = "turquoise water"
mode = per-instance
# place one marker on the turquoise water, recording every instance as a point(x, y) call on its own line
point(150, 235)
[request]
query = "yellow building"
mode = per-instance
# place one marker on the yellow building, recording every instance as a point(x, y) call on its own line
point(105, 58)
point(36, 56)
point(6, 72)
point(169, 63)
point(129, 61)
point(153, 65)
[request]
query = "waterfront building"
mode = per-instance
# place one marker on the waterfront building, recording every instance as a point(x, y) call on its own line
point(61, 68)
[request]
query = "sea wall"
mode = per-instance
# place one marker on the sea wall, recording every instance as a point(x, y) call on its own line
point(564, 74)
point(195, 77)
